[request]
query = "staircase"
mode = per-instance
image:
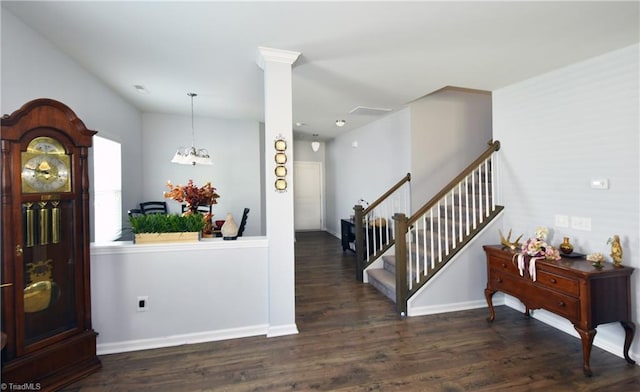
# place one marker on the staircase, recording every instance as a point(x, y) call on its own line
point(437, 231)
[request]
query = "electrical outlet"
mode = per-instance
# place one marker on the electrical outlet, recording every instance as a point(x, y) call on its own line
point(581, 223)
point(142, 304)
point(562, 221)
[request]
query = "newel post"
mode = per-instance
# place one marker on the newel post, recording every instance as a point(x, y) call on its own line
point(400, 235)
point(358, 222)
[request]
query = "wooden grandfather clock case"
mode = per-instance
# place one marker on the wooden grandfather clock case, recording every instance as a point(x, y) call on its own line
point(46, 304)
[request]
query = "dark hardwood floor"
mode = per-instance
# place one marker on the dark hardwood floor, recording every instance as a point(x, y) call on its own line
point(351, 340)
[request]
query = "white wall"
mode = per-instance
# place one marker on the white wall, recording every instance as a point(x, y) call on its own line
point(433, 139)
point(449, 129)
point(234, 146)
point(193, 292)
point(381, 158)
point(560, 130)
point(33, 68)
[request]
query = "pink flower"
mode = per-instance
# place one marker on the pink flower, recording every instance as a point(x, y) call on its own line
point(536, 247)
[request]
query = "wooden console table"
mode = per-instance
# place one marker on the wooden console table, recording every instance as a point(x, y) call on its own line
point(571, 288)
point(348, 236)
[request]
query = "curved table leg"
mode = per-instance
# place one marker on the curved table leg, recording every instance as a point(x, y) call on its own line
point(488, 294)
point(629, 330)
point(587, 342)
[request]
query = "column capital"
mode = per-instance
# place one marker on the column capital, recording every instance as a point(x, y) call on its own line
point(276, 55)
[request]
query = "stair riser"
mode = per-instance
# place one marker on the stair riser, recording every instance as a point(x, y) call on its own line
point(388, 289)
point(390, 266)
point(384, 282)
point(389, 292)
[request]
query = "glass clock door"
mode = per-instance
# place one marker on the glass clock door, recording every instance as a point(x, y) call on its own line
point(48, 270)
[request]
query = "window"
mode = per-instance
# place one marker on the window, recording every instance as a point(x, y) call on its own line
point(107, 187)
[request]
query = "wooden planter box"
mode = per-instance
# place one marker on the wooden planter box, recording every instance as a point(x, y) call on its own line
point(158, 238)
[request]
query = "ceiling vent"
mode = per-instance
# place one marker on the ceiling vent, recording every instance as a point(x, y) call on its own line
point(366, 111)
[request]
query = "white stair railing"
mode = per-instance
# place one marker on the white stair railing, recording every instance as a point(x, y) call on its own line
point(374, 225)
point(444, 225)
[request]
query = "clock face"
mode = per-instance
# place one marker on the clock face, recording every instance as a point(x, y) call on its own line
point(45, 167)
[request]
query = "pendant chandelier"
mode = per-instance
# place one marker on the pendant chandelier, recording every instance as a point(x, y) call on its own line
point(315, 144)
point(191, 155)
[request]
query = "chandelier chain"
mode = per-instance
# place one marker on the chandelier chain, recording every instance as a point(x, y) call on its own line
point(193, 132)
point(192, 156)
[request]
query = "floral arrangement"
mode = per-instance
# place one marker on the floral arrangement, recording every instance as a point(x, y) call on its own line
point(192, 195)
point(538, 247)
point(597, 260)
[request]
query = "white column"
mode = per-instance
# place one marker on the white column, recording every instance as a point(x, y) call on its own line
point(278, 116)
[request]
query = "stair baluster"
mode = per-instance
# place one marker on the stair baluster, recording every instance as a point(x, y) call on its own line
point(439, 230)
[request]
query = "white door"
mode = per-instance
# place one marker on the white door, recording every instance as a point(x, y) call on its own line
point(307, 195)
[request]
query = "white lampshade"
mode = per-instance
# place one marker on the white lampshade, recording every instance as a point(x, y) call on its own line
point(315, 146)
point(189, 156)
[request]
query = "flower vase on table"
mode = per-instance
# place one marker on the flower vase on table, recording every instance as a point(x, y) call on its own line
point(229, 228)
point(566, 247)
point(194, 196)
point(535, 249)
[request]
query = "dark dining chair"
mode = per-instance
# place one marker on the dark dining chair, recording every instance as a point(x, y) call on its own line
point(201, 209)
point(243, 222)
point(134, 212)
point(154, 207)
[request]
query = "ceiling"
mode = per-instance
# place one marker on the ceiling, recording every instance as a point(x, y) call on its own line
point(370, 54)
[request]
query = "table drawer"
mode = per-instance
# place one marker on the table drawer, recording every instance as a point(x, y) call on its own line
point(505, 281)
point(560, 304)
point(556, 282)
point(523, 289)
point(504, 264)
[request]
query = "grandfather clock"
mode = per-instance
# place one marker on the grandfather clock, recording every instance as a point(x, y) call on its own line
point(46, 304)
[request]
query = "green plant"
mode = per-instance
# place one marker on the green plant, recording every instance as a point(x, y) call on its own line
point(160, 223)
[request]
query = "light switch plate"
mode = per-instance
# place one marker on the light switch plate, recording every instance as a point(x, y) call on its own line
point(581, 223)
point(599, 183)
point(562, 221)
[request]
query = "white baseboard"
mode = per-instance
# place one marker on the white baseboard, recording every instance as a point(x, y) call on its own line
point(282, 330)
point(335, 234)
point(178, 340)
point(446, 308)
point(604, 340)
